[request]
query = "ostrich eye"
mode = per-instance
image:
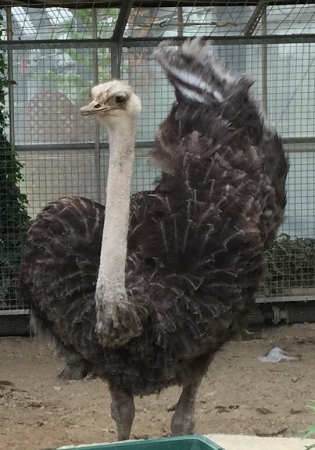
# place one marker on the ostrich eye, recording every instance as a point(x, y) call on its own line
point(120, 99)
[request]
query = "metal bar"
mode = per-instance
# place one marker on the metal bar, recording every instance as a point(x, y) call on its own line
point(115, 61)
point(117, 37)
point(54, 43)
point(56, 147)
point(140, 144)
point(254, 19)
point(259, 300)
point(226, 40)
point(286, 298)
point(94, 50)
point(302, 140)
point(122, 20)
point(69, 147)
point(264, 63)
point(97, 150)
point(148, 41)
point(14, 312)
point(180, 20)
point(146, 3)
point(10, 77)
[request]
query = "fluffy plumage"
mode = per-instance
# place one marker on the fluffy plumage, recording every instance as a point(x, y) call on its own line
point(195, 243)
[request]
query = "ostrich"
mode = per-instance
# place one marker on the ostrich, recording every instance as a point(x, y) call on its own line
point(145, 299)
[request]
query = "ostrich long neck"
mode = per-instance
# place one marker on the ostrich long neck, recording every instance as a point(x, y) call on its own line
point(114, 242)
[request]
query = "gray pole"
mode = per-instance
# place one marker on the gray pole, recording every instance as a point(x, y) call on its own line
point(10, 77)
point(97, 151)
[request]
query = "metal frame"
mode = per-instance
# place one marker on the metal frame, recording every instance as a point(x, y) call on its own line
point(81, 4)
point(148, 41)
point(10, 76)
point(141, 144)
point(255, 17)
point(117, 38)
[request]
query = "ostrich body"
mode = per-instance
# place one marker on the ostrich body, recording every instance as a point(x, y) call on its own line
point(147, 299)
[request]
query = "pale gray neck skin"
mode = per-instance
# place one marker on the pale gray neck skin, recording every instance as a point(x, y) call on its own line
point(117, 319)
point(114, 242)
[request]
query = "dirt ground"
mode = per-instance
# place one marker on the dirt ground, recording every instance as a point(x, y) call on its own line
point(239, 395)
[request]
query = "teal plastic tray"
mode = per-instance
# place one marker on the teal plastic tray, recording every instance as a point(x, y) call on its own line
point(172, 443)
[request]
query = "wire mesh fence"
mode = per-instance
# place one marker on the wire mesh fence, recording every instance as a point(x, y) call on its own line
point(55, 54)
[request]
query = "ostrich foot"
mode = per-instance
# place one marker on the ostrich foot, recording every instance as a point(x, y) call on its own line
point(117, 318)
point(122, 411)
point(183, 422)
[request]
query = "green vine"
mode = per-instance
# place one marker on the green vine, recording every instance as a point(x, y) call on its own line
point(14, 219)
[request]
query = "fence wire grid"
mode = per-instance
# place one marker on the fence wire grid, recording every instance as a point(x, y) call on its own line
point(55, 54)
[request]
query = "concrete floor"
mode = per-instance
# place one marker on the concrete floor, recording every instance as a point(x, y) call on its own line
point(240, 442)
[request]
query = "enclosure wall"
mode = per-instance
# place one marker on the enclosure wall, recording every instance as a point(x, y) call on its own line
point(63, 153)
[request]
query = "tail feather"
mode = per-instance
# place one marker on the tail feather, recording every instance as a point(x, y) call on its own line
point(196, 72)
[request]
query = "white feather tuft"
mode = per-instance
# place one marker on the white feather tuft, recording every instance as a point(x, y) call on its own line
point(194, 70)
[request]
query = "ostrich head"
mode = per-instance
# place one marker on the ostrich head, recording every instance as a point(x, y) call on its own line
point(113, 103)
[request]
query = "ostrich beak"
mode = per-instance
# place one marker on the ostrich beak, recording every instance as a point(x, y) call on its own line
point(92, 108)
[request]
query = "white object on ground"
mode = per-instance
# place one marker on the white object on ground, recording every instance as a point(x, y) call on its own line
point(277, 355)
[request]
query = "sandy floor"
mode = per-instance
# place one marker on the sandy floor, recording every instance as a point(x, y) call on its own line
point(239, 395)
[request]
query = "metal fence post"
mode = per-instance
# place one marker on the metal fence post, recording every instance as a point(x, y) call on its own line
point(97, 151)
point(10, 77)
point(117, 38)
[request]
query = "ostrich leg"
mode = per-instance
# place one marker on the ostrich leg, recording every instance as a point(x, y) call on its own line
point(183, 419)
point(122, 411)
point(76, 368)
